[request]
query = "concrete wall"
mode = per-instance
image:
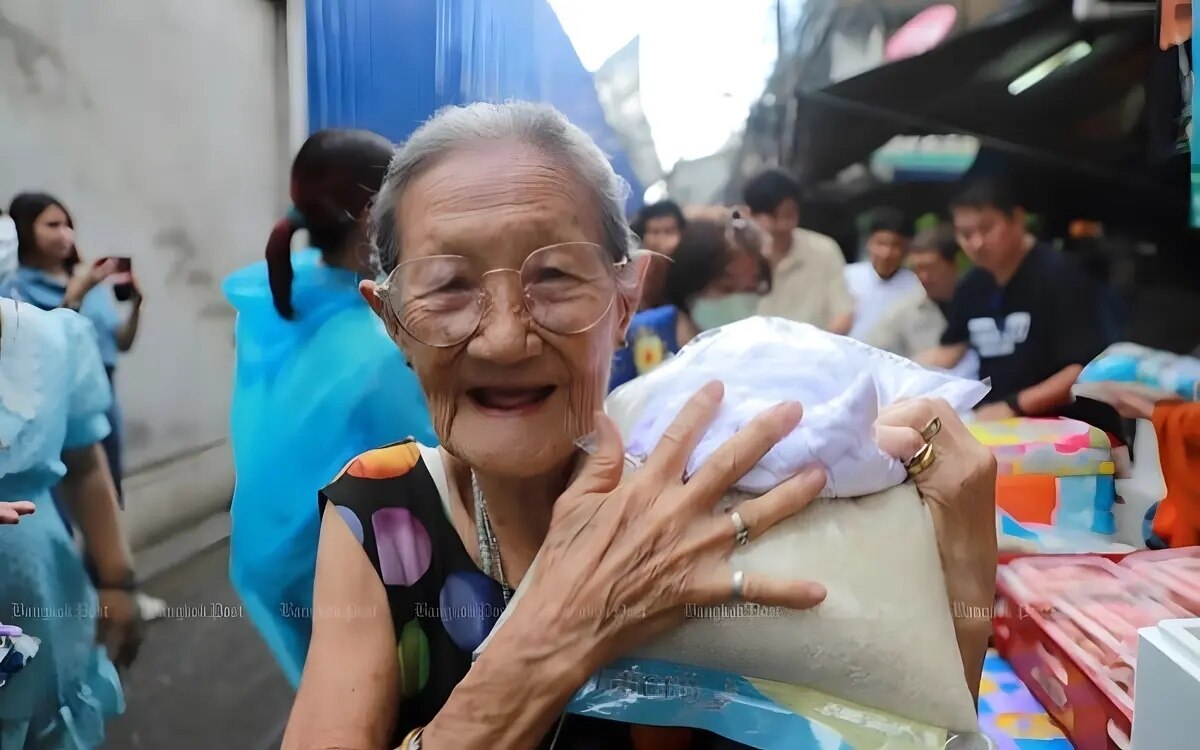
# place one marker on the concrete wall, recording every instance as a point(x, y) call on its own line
point(163, 125)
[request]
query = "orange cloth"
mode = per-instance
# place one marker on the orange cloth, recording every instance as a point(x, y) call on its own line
point(1177, 427)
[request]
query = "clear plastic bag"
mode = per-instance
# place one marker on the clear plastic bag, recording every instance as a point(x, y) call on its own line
point(842, 384)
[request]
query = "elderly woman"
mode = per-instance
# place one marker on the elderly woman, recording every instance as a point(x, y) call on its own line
point(509, 285)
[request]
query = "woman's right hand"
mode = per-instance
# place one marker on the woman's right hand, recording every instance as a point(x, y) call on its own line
point(622, 559)
point(82, 283)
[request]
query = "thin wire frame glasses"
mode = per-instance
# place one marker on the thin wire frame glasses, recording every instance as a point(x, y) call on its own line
point(441, 300)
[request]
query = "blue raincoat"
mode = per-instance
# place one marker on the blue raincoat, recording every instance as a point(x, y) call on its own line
point(309, 395)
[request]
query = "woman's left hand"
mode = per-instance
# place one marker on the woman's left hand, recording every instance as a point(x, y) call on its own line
point(119, 626)
point(959, 488)
point(11, 513)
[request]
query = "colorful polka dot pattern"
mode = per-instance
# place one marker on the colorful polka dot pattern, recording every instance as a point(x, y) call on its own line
point(351, 520)
point(384, 463)
point(413, 653)
point(403, 545)
point(469, 605)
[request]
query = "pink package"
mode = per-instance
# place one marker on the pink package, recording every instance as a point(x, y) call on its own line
point(1111, 668)
point(1117, 617)
point(1047, 575)
point(1177, 570)
point(1103, 654)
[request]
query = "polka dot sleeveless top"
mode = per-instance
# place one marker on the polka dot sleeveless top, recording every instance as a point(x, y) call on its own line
point(442, 606)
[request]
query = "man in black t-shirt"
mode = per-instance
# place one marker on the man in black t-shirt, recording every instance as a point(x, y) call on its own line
point(1029, 313)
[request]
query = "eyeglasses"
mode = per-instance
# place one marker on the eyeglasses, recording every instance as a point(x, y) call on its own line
point(440, 300)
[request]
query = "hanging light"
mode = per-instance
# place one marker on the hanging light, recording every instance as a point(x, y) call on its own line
point(1038, 73)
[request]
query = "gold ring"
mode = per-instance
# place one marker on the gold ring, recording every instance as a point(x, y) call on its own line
point(932, 429)
point(920, 462)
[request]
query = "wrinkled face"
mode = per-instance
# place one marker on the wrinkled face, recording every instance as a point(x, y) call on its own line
point(513, 397)
point(53, 235)
point(937, 274)
point(991, 238)
point(662, 234)
point(886, 250)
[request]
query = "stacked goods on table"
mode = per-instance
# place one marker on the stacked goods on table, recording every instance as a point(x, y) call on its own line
point(1053, 471)
point(1069, 627)
point(1157, 375)
point(1162, 390)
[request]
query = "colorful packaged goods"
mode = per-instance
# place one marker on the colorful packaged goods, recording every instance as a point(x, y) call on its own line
point(1177, 571)
point(1053, 471)
point(1158, 375)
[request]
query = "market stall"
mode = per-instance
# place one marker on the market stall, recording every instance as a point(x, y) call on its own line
point(1098, 614)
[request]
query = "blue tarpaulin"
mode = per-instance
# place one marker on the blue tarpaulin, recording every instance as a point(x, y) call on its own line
point(387, 65)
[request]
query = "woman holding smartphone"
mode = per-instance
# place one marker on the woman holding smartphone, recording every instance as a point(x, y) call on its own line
point(51, 275)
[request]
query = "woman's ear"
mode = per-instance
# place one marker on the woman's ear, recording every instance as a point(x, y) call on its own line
point(631, 280)
point(368, 289)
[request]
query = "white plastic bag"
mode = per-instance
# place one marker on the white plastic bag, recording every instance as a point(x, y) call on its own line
point(842, 384)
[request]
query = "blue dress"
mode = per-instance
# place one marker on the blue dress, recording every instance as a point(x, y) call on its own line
point(53, 397)
point(309, 395)
point(39, 288)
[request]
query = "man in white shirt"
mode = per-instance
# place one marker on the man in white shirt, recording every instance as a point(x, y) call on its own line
point(880, 282)
point(808, 283)
point(916, 323)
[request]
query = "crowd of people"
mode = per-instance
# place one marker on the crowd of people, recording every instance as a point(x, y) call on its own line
point(409, 391)
point(1025, 315)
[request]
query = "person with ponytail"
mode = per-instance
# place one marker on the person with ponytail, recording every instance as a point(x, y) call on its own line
point(317, 381)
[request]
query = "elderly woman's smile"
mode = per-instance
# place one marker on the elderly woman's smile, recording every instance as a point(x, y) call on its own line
point(509, 401)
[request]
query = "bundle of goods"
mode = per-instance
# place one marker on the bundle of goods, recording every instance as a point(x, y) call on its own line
point(883, 645)
point(1069, 627)
point(1155, 374)
point(1053, 471)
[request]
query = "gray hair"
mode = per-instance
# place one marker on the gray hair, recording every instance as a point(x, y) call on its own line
point(537, 125)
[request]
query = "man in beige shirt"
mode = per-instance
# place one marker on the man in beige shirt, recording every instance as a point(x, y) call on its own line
point(808, 283)
point(915, 324)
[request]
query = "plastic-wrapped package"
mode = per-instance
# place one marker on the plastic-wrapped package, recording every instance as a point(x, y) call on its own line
point(1156, 374)
point(762, 361)
point(883, 643)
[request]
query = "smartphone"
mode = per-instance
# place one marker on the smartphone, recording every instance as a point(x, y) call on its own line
point(122, 278)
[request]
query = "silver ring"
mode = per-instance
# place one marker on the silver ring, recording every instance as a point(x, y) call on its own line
point(741, 534)
point(739, 581)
